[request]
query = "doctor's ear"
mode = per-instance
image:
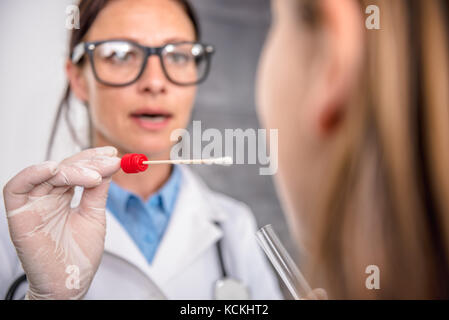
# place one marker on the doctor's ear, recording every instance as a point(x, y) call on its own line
point(342, 27)
point(77, 81)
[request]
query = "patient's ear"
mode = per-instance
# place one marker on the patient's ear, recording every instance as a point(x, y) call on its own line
point(342, 27)
point(77, 81)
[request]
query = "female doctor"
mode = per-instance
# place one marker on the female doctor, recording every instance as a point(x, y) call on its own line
point(158, 234)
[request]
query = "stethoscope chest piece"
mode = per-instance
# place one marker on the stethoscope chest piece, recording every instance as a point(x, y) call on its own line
point(231, 289)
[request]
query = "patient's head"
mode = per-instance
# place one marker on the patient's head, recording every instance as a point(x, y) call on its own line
point(363, 128)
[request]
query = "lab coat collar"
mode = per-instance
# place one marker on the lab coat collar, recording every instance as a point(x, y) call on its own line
point(191, 231)
point(119, 198)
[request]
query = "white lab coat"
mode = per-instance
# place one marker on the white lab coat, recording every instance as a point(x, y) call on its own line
point(186, 264)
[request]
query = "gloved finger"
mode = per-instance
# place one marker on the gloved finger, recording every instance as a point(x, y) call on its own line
point(41, 190)
point(106, 166)
point(73, 175)
point(91, 153)
point(93, 200)
point(46, 188)
point(86, 173)
point(15, 192)
point(97, 159)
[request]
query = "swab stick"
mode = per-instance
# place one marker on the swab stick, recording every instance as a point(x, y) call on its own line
point(135, 163)
point(221, 161)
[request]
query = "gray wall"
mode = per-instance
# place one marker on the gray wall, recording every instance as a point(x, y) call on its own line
point(226, 100)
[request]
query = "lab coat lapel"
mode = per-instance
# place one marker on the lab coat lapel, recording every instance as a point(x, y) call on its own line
point(191, 229)
point(117, 240)
point(119, 243)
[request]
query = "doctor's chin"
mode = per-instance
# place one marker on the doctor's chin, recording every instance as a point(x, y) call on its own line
point(237, 158)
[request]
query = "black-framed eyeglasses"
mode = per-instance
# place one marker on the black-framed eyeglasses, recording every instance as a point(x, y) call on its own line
point(120, 63)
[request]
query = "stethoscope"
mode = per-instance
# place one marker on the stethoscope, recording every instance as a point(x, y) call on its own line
point(226, 288)
point(14, 286)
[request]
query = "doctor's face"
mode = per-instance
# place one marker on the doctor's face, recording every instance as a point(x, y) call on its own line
point(141, 116)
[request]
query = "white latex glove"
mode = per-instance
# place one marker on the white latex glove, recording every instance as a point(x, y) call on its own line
point(53, 240)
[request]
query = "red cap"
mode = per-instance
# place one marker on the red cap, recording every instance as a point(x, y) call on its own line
point(132, 163)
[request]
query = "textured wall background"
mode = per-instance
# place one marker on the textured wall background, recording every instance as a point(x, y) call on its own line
point(238, 30)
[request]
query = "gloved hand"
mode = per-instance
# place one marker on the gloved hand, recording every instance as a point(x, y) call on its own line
point(57, 244)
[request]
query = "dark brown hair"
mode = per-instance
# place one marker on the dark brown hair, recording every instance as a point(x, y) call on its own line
point(89, 10)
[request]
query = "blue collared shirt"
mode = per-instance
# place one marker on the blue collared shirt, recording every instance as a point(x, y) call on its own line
point(146, 221)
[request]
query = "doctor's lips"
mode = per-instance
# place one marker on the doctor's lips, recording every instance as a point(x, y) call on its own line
point(151, 118)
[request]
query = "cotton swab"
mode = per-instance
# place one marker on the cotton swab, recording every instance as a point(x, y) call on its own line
point(135, 163)
point(220, 161)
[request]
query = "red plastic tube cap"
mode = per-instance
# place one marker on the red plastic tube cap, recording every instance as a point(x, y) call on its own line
point(132, 163)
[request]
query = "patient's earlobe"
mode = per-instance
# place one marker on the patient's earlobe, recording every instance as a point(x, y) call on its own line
point(343, 25)
point(330, 119)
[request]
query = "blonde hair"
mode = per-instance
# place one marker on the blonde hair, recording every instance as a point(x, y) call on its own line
point(387, 198)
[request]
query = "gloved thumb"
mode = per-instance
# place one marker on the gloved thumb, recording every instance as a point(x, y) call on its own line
point(94, 199)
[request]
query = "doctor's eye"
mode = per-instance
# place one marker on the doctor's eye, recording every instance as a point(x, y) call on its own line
point(118, 53)
point(120, 57)
point(178, 58)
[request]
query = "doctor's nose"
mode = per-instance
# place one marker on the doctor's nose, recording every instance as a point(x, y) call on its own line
point(153, 79)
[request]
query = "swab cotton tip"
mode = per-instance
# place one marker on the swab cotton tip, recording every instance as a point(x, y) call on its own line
point(228, 161)
point(225, 161)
